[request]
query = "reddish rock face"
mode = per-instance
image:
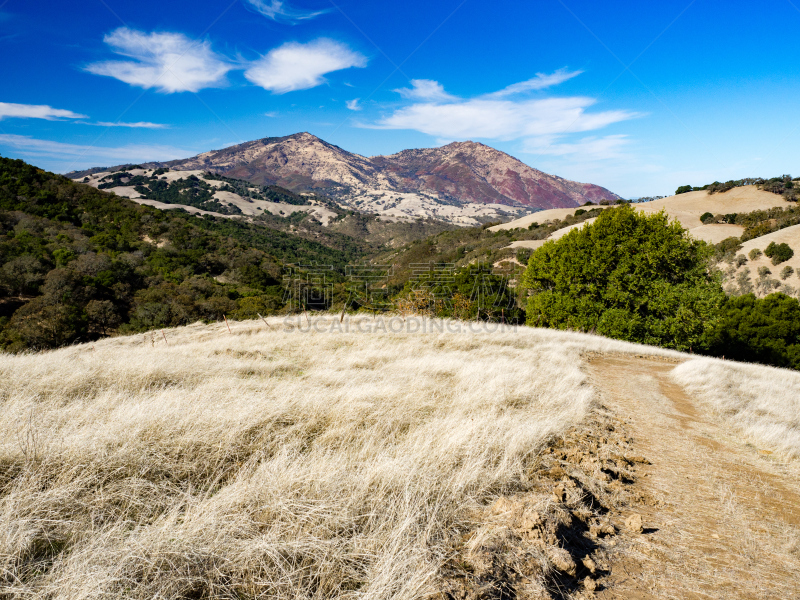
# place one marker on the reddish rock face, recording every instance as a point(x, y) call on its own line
point(477, 173)
point(458, 173)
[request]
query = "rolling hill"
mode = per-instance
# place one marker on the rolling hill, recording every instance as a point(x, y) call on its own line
point(686, 208)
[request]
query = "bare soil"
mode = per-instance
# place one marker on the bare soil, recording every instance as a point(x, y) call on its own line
point(652, 497)
point(726, 521)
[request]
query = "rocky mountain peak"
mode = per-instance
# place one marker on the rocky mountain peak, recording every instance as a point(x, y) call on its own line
point(457, 174)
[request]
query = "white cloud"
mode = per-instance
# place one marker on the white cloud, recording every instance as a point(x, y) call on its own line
point(131, 153)
point(138, 125)
point(353, 104)
point(426, 90)
point(295, 66)
point(36, 111)
point(280, 11)
point(540, 123)
point(540, 82)
point(585, 149)
point(502, 119)
point(169, 62)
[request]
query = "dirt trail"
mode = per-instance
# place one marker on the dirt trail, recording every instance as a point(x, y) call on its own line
point(727, 520)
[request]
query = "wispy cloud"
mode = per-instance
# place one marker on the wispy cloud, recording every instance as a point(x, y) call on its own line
point(540, 82)
point(281, 11)
point(169, 62)
point(540, 122)
point(503, 119)
point(295, 66)
point(139, 125)
point(353, 104)
point(36, 111)
point(426, 90)
point(29, 146)
point(586, 149)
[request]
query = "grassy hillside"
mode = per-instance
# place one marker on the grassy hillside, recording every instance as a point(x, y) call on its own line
point(275, 462)
point(703, 213)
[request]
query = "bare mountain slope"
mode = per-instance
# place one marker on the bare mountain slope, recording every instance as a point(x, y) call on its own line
point(483, 174)
point(463, 182)
point(299, 162)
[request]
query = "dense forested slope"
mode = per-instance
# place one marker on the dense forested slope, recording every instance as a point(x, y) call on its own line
point(76, 262)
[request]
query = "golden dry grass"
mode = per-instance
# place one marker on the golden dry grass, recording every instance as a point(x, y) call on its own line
point(266, 463)
point(772, 282)
point(274, 463)
point(763, 403)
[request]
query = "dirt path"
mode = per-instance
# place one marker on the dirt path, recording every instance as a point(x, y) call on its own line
point(727, 521)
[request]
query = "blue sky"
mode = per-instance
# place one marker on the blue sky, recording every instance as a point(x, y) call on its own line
point(637, 97)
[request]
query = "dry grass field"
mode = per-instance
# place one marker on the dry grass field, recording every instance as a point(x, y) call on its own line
point(686, 208)
point(761, 402)
point(275, 463)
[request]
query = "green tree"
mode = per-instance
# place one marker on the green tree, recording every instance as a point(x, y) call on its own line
point(629, 276)
point(524, 255)
point(471, 292)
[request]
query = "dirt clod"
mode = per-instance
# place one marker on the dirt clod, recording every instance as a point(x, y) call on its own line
point(546, 539)
point(634, 523)
point(562, 560)
point(559, 493)
point(589, 564)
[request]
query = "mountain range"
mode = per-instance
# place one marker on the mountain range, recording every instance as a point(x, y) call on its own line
point(457, 180)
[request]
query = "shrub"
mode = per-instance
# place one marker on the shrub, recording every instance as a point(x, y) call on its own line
point(740, 260)
point(706, 217)
point(683, 189)
point(754, 254)
point(579, 212)
point(744, 283)
point(533, 225)
point(524, 255)
point(787, 272)
point(778, 252)
point(764, 271)
point(728, 245)
point(629, 276)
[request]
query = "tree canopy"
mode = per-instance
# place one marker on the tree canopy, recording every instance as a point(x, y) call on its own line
point(765, 330)
point(629, 276)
